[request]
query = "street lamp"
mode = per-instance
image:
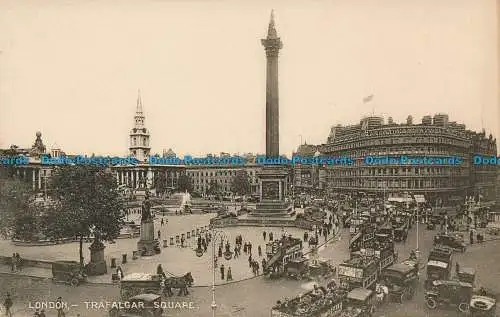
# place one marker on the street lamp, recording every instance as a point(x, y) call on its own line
point(215, 236)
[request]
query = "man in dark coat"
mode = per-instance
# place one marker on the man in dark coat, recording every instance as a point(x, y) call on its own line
point(222, 270)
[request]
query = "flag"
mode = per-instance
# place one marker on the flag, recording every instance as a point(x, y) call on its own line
point(367, 99)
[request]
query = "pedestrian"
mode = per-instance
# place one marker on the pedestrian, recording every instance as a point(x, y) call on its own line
point(60, 306)
point(159, 234)
point(271, 237)
point(219, 254)
point(119, 272)
point(471, 237)
point(222, 271)
point(259, 250)
point(8, 305)
point(257, 268)
point(229, 274)
point(159, 271)
point(250, 260)
point(264, 262)
point(245, 248)
point(42, 313)
point(305, 236)
point(162, 222)
point(37, 313)
point(13, 263)
point(19, 262)
point(249, 248)
point(235, 252)
point(457, 269)
point(264, 235)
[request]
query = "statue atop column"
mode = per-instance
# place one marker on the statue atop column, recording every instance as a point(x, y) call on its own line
point(146, 209)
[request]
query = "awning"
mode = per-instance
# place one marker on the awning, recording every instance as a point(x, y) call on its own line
point(440, 264)
point(419, 198)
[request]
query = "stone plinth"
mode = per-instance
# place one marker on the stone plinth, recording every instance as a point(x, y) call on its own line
point(272, 208)
point(148, 245)
point(97, 265)
point(147, 230)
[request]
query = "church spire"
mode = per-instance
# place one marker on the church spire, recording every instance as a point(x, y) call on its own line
point(139, 103)
point(271, 31)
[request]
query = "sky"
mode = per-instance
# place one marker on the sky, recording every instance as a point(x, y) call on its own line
point(72, 70)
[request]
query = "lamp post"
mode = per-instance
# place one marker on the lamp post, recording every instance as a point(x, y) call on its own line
point(417, 251)
point(215, 236)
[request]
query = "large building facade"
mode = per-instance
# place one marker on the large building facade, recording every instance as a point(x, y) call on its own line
point(434, 136)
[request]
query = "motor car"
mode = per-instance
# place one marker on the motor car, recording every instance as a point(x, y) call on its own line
point(451, 241)
point(401, 279)
point(69, 272)
point(450, 292)
point(360, 302)
point(142, 305)
point(297, 268)
point(482, 306)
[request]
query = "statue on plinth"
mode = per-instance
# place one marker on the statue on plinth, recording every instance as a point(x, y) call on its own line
point(146, 209)
point(97, 264)
point(147, 245)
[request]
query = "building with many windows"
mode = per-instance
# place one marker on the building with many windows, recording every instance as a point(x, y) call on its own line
point(434, 137)
point(204, 176)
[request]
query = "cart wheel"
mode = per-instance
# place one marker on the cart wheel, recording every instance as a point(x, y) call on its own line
point(431, 303)
point(463, 307)
point(74, 282)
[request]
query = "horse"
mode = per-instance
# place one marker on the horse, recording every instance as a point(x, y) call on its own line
point(180, 282)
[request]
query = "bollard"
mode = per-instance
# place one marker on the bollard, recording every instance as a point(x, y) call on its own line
point(188, 235)
point(124, 258)
point(171, 240)
point(113, 262)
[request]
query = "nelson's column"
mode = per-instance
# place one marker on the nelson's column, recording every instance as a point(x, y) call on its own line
point(272, 46)
point(272, 208)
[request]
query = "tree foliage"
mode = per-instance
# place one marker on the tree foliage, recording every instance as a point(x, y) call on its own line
point(184, 183)
point(160, 183)
point(240, 183)
point(15, 198)
point(89, 203)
